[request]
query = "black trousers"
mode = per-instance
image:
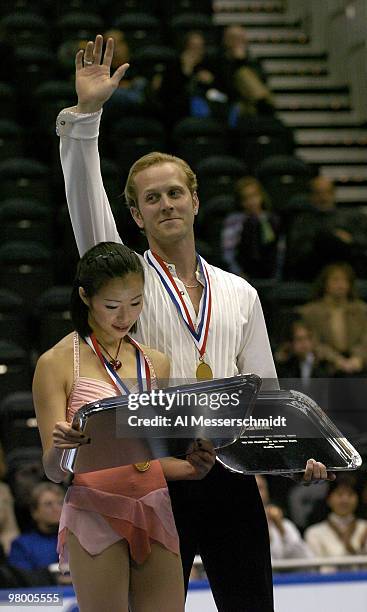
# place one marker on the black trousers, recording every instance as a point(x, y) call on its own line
point(222, 518)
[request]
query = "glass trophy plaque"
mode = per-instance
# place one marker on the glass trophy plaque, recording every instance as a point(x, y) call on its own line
point(288, 428)
point(139, 427)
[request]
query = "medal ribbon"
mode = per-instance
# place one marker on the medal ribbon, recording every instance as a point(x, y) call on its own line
point(200, 336)
point(143, 372)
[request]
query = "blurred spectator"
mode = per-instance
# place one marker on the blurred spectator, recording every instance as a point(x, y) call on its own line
point(25, 472)
point(285, 540)
point(8, 525)
point(188, 80)
point(338, 320)
point(240, 77)
point(130, 93)
point(13, 577)
point(341, 533)
point(298, 357)
point(325, 233)
point(250, 236)
point(37, 548)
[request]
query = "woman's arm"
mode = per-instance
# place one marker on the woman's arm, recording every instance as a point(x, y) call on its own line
point(49, 396)
point(202, 456)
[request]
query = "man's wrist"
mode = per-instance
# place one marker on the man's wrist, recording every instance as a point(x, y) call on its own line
point(85, 109)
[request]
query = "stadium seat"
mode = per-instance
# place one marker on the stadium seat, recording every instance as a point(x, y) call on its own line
point(13, 318)
point(134, 137)
point(195, 138)
point(139, 29)
point(33, 66)
point(284, 176)
point(18, 419)
point(52, 313)
point(14, 368)
point(52, 97)
point(218, 174)
point(11, 139)
point(24, 219)
point(78, 26)
point(25, 268)
point(257, 138)
point(23, 28)
point(24, 178)
point(153, 59)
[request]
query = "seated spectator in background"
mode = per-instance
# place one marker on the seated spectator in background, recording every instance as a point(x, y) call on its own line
point(130, 93)
point(250, 236)
point(8, 524)
point(239, 76)
point(188, 79)
point(342, 533)
point(298, 357)
point(13, 577)
point(285, 540)
point(325, 233)
point(338, 320)
point(37, 548)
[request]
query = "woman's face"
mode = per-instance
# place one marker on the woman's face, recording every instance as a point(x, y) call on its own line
point(343, 501)
point(337, 284)
point(116, 306)
point(251, 199)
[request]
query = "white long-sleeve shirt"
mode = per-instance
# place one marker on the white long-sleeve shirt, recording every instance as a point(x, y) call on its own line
point(237, 340)
point(287, 545)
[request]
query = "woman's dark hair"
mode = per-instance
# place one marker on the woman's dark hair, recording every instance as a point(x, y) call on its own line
point(322, 280)
point(99, 265)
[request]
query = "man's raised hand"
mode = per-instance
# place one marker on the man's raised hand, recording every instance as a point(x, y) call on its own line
point(94, 83)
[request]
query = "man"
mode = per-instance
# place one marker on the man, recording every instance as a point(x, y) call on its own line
point(324, 233)
point(222, 516)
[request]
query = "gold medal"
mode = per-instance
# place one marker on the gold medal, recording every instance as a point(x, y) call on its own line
point(204, 371)
point(142, 467)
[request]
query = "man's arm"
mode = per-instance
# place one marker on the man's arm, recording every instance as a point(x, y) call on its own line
point(255, 355)
point(78, 127)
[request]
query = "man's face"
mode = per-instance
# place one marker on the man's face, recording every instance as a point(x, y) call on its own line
point(251, 199)
point(322, 193)
point(302, 342)
point(166, 207)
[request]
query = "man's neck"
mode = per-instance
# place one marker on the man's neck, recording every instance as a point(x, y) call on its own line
point(181, 254)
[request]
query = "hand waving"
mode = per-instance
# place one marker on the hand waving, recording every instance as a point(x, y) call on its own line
point(94, 83)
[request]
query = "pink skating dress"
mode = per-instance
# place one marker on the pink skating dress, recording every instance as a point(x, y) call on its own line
point(103, 507)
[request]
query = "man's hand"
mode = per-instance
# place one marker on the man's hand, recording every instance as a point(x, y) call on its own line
point(314, 472)
point(93, 82)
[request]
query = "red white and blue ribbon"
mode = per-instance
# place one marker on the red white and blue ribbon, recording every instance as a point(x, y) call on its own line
point(142, 367)
point(199, 335)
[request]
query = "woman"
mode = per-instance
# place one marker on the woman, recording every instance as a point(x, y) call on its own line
point(117, 524)
point(338, 320)
point(342, 533)
point(250, 236)
point(8, 523)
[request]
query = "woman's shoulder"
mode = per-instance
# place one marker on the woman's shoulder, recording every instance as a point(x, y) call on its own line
point(58, 354)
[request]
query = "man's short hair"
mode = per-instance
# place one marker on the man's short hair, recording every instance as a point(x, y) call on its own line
point(154, 159)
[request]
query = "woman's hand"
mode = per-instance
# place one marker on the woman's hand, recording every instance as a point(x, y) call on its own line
point(65, 436)
point(93, 82)
point(201, 459)
point(196, 466)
